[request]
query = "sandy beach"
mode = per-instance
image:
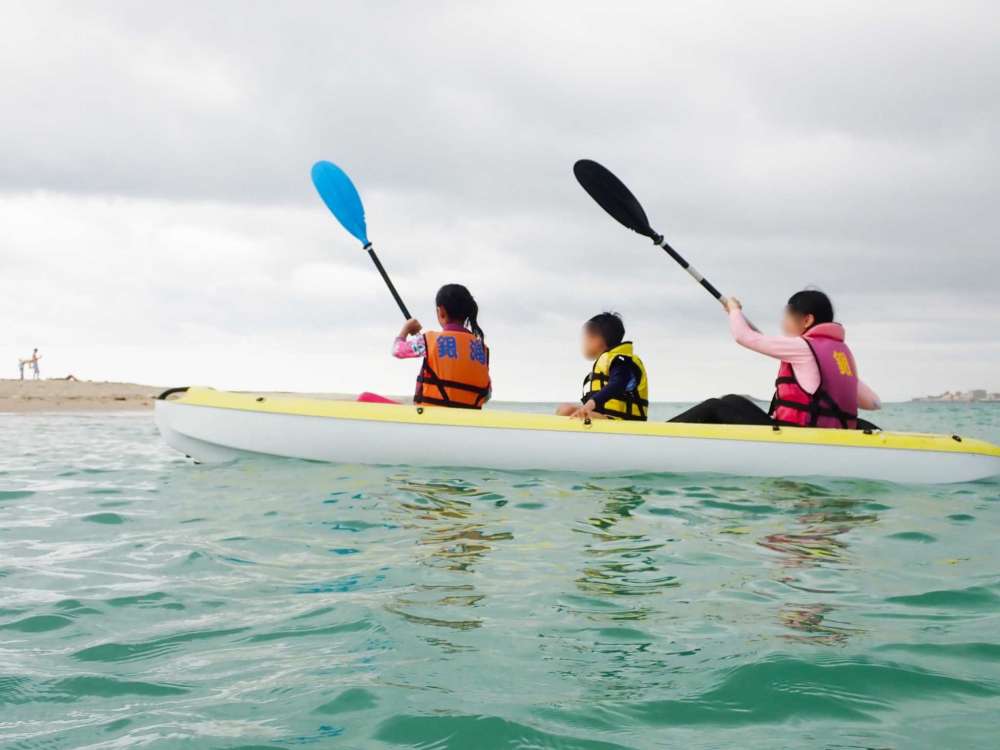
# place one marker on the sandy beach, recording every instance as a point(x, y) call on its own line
point(23, 396)
point(29, 396)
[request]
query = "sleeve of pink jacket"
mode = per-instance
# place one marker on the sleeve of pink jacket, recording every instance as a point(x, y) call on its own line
point(796, 352)
point(867, 398)
point(791, 349)
point(409, 348)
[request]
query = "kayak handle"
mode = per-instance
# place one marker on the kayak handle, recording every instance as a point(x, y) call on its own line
point(170, 392)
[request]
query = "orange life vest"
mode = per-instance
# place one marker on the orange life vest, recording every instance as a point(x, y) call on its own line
point(455, 372)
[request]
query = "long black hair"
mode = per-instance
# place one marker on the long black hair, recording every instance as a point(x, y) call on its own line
point(812, 302)
point(460, 307)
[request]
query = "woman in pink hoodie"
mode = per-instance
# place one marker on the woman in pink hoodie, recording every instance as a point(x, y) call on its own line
point(817, 383)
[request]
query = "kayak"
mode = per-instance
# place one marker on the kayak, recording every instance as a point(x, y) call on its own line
point(215, 426)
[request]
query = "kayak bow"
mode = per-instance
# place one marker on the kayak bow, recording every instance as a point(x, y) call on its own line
point(213, 426)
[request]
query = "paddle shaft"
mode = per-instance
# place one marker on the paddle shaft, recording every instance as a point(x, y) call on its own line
point(659, 240)
point(689, 268)
point(620, 203)
point(387, 280)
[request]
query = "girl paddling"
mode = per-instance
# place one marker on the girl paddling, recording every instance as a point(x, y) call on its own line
point(456, 367)
point(817, 383)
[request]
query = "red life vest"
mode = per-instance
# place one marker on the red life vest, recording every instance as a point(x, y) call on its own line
point(835, 402)
point(455, 372)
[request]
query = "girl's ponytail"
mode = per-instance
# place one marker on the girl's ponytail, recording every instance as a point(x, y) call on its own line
point(473, 323)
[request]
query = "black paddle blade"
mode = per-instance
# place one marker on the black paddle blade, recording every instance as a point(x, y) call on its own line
point(612, 195)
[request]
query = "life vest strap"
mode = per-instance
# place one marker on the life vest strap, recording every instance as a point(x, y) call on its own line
point(831, 409)
point(820, 405)
point(820, 410)
point(786, 423)
point(429, 377)
point(447, 402)
point(630, 400)
point(617, 414)
point(434, 380)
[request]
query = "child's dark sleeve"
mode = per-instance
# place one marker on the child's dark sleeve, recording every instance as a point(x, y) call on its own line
point(620, 376)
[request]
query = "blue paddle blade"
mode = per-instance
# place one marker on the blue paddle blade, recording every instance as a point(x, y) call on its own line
point(341, 197)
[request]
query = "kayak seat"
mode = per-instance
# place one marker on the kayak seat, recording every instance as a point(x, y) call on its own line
point(374, 398)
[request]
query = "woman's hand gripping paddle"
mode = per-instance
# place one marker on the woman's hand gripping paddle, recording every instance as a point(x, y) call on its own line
point(612, 195)
point(341, 197)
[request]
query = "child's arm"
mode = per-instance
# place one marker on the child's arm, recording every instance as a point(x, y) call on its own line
point(409, 348)
point(867, 398)
point(619, 375)
point(791, 349)
point(407, 345)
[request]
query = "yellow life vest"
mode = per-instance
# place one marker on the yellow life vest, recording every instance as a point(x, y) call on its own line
point(636, 401)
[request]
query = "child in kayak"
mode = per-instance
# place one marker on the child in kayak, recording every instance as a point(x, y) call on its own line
point(817, 383)
point(456, 366)
point(616, 387)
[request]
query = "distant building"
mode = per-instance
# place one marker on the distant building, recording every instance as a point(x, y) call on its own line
point(966, 397)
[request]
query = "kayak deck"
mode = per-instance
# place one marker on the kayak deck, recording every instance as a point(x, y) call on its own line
point(221, 423)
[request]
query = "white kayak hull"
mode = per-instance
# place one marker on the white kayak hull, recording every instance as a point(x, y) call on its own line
point(212, 426)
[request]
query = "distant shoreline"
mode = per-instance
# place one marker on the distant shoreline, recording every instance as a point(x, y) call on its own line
point(27, 396)
point(976, 396)
point(936, 400)
point(36, 396)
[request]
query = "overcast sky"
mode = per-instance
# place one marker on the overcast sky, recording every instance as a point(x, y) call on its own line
point(158, 224)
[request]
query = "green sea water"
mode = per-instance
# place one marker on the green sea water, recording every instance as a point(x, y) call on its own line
point(148, 602)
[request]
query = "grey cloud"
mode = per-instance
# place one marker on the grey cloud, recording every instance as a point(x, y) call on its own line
point(234, 100)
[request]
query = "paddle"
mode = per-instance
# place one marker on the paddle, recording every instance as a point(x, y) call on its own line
point(341, 197)
point(612, 195)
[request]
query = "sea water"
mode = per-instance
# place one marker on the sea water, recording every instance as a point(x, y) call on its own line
point(149, 602)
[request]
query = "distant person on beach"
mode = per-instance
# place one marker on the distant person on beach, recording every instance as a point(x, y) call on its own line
point(33, 361)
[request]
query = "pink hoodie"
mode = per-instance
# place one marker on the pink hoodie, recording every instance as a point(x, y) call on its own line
point(796, 352)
